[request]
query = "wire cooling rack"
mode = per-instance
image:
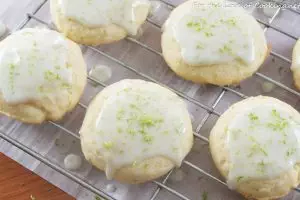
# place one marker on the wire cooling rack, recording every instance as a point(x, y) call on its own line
point(210, 110)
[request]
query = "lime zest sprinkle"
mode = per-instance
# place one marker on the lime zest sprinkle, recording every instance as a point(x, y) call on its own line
point(108, 145)
point(41, 89)
point(120, 130)
point(165, 132)
point(235, 133)
point(120, 114)
point(231, 21)
point(68, 65)
point(146, 121)
point(148, 138)
point(290, 151)
point(239, 178)
point(200, 46)
point(175, 149)
point(146, 165)
point(12, 68)
point(225, 49)
point(275, 113)
point(253, 117)
point(261, 166)
point(131, 131)
point(57, 67)
point(126, 89)
point(133, 106)
point(279, 125)
point(256, 147)
point(50, 76)
point(198, 26)
point(226, 129)
point(208, 34)
point(142, 131)
point(283, 141)
point(134, 164)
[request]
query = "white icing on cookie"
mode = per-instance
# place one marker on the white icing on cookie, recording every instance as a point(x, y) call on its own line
point(263, 142)
point(140, 120)
point(212, 33)
point(96, 13)
point(34, 64)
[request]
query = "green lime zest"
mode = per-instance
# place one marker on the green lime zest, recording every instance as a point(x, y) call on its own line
point(148, 139)
point(253, 117)
point(108, 145)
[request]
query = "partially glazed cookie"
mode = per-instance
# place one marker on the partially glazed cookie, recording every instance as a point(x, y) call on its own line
point(256, 146)
point(136, 131)
point(95, 22)
point(42, 75)
point(296, 64)
point(206, 41)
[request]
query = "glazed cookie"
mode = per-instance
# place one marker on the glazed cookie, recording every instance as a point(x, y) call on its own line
point(136, 131)
point(296, 64)
point(42, 75)
point(95, 22)
point(255, 145)
point(206, 41)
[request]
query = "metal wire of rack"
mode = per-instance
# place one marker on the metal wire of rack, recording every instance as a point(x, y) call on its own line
point(210, 110)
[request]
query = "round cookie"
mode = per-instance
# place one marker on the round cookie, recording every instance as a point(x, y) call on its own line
point(42, 75)
point(136, 131)
point(206, 41)
point(97, 22)
point(255, 146)
point(296, 64)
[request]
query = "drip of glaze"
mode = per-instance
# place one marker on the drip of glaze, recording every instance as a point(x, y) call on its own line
point(2, 29)
point(111, 188)
point(72, 162)
point(267, 87)
point(101, 73)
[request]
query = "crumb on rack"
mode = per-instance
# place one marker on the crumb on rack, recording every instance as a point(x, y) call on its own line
point(98, 198)
point(204, 195)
